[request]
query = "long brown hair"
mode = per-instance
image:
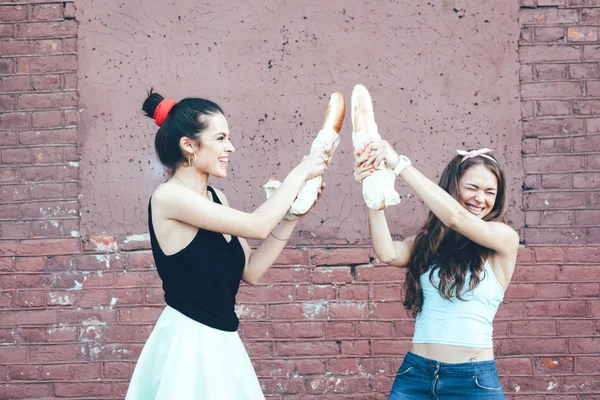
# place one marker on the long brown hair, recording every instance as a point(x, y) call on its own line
point(438, 247)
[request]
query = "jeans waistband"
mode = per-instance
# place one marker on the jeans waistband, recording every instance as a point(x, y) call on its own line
point(476, 367)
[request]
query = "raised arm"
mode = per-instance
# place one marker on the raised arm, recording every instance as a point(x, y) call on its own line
point(260, 260)
point(392, 252)
point(395, 253)
point(181, 204)
point(493, 235)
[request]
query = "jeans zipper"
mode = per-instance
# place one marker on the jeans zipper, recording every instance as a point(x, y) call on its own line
point(437, 376)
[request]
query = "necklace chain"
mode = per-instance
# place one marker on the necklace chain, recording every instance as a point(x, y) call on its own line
point(187, 187)
point(181, 180)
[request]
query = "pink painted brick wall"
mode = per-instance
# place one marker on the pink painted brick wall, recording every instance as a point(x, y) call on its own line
point(324, 323)
point(552, 344)
point(38, 123)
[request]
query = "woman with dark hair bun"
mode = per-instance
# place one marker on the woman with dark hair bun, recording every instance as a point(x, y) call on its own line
point(458, 266)
point(194, 351)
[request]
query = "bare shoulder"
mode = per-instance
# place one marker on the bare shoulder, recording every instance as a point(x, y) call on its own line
point(222, 196)
point(503, 262)
point(508, 235)
point(504, 226)
point(165, 194)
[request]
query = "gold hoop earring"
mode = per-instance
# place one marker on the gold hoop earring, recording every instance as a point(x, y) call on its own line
point(190, 162)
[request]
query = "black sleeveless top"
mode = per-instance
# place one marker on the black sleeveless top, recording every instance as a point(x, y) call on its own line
point(201, 280)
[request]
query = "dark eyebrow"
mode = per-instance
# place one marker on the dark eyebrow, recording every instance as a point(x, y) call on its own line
point(475, 186)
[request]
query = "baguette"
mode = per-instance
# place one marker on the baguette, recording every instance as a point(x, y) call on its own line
point(378, 188)
point(327, 138)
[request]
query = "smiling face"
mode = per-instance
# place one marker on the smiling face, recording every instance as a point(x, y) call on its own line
point(477, 190)
point(212, 154)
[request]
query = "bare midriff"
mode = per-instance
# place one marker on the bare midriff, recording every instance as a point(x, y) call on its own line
point(452, 354)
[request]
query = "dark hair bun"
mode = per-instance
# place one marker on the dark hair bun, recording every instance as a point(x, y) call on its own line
point(151, 102)
point(189, 117)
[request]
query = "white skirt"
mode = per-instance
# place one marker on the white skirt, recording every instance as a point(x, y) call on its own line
point(186, 360)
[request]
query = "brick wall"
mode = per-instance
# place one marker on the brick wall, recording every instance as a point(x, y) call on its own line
point(38, 125)
point(552, 344)
point(324, 323)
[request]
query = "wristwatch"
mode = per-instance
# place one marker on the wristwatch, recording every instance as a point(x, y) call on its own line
point(403, 162)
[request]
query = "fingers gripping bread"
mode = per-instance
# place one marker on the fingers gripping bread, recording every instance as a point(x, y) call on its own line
point(327, 138)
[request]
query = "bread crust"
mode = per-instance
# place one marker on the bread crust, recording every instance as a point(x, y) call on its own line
point(334, 117)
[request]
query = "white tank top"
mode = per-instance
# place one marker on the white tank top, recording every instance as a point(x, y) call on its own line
point(456, 322)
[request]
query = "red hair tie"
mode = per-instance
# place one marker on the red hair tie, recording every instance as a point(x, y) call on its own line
point(162, 110)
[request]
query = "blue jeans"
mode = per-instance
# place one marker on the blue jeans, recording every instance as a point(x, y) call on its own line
point(422, 378)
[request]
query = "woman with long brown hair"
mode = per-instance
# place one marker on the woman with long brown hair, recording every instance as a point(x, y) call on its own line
point(458, 266)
